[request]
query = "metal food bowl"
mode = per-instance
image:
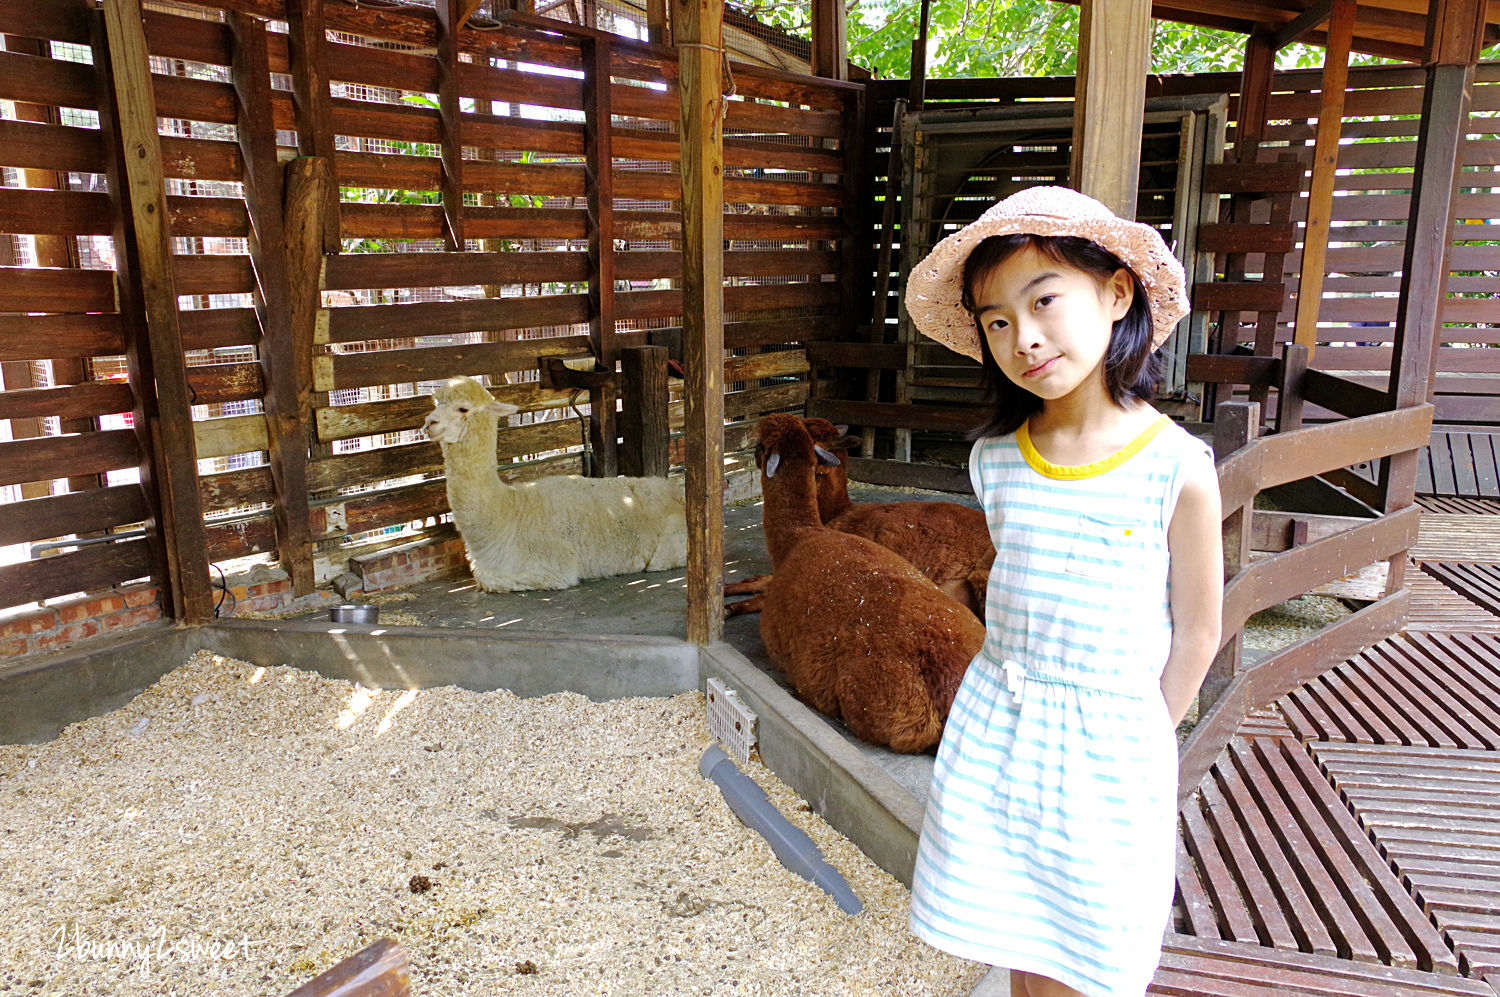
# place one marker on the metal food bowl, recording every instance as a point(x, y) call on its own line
point(354, 612)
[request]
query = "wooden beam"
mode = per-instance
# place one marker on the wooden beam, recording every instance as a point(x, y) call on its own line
point(1256, 81)
point(449, 17)
point(263, 185)
point(1114, 56)
point(306, 38)
point(830, 40)
point(1424, 268)
point(1304, 22)
point(146, 276)
point(1455, 32)
point(1324, 172)
point(598, 157)
point(644, 423)
point(699, 30)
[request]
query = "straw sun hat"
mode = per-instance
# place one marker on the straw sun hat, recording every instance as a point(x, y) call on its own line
point(935, 287)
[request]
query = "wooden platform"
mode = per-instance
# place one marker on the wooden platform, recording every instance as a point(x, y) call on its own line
point(1347, 843)
point(1460, 463)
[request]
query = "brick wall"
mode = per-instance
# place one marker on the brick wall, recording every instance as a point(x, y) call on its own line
point(65, 623)
point(441, 557)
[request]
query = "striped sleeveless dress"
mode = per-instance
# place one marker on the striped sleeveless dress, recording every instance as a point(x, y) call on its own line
point(1049, 838)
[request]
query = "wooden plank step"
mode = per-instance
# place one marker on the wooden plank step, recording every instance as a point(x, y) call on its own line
point(1458, 538)
point(1431, 689)
point(1426, 808)
point(1191, 967)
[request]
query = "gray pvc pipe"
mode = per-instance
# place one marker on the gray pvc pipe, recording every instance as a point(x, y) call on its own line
point(792, 846)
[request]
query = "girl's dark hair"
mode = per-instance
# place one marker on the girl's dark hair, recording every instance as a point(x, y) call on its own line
point(1131, 367)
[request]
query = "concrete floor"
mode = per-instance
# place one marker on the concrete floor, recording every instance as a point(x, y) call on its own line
point(653, 604)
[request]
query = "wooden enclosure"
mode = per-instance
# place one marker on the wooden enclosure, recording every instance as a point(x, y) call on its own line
point(358, 206)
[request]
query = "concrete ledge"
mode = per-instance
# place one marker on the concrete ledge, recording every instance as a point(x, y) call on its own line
point(852, 793)
point(43, 693)
point(528, 664)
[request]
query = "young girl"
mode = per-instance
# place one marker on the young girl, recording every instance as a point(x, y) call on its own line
point(1049, 838)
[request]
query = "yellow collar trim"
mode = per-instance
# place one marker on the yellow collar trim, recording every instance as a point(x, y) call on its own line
point(1069, 472)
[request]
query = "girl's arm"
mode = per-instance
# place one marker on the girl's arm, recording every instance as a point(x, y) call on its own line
point(1197, 568)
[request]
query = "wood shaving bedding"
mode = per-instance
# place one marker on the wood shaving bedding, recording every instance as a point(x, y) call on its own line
point(237, 830)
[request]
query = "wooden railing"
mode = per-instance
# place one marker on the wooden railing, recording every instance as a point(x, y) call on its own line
point(1299, 562)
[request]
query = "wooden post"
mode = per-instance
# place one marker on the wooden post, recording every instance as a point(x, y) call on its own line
point(917, 93)
point(1109, 103)
point(286, 432)
point(1453, 33)
point(699, 29)
point(450, 18)
point(1324, 172)
point(1289, 392)
point(144, 262)
point(830, 40)
point(598, 167)
point(1255, 96)
point(306, 40)
point(656, 22)
point(645, 452)
point(1235, 424)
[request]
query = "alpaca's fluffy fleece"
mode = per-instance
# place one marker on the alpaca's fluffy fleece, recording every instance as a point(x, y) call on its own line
point(861, 634)
point(552, 533)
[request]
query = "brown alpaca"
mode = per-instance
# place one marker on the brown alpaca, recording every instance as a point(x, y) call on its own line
point(948, 542)
point(861, 634)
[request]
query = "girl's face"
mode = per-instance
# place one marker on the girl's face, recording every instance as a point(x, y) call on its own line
point(1048, 324)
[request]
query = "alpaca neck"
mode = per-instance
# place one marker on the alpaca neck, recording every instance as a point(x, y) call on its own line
point(473, 478)
point(790, 503)
point(833, 493)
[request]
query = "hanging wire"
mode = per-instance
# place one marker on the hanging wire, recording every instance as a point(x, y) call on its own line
point(223, 592)
point(583, 426)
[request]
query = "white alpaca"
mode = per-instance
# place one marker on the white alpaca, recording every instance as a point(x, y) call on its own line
point(552, 533)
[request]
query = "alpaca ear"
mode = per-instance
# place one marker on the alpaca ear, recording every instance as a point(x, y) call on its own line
point(824, 457)
point(502, 408)
point(773, 461)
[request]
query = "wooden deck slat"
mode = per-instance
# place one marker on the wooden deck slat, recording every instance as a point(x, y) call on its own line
point(1233, 916)
point(1435, 606)
point(1420, 711)
point(1203, 967)
point(1453, 505)
point(1344, 683)
point(1466, 537)
point(1260, 865)
point(1343, 934)
point(1424, 664)
point(1459, 659)
point(1192, 900)
point(1386, 700)
point(1460, 464)
point(1427, 803)
point(1378, 899)
point(1477, 582)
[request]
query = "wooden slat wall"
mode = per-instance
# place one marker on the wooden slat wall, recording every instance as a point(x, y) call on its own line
point(1368, 231)
point(403, 311)
point(69, 459)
